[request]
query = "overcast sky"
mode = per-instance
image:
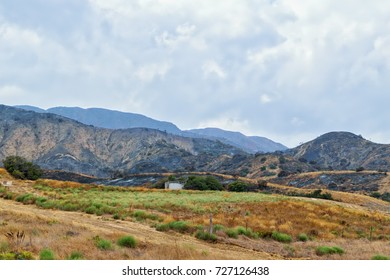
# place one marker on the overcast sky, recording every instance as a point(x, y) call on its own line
point(289, 70)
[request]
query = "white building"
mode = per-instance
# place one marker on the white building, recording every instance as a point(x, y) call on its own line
point(173, 186)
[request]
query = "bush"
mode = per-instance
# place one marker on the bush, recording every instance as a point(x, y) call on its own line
point(232, 233)
point(281, 237)
point(238, 186)
point(380, 258)
point(46, 254)
point(76, 256)
point(22, 169)
point(103, 244)
point(127, 241)
point(180, 226)
point(203, 183)
point(325, 250)
point(303, 237)
point(203, 235)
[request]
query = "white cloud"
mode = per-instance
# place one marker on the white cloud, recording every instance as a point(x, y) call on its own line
point(149, 72)
point(265, 98)
point(8, 91)
point(212, 68)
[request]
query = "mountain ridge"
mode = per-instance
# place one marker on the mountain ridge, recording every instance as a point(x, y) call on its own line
point(113, 119)
point(341, 150)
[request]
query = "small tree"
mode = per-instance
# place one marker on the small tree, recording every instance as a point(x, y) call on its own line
point(22, 169)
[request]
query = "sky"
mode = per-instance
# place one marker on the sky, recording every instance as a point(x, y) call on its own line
point(288, 70)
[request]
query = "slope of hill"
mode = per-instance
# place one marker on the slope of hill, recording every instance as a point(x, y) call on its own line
point(343, 150)
point(250, 144)
point(56, 142)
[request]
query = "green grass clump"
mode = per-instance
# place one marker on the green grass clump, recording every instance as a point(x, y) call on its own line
point(76, 256)
point(281, 237)
point(325, 250)
point(218, 228)
point(232, 233)
point(180, 226)
point(23, 255)
point(303, 237)
point(46, 254)
point(380, 258)
point(162, 227)
point(204, 235)
point(103, 244)
point(127, 241)
point(141, 215)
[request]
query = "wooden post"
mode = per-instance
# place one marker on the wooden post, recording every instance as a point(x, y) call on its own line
point(211, 224)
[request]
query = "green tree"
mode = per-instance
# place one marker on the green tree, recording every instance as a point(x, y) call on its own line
point(22, 169)
point(238, 186)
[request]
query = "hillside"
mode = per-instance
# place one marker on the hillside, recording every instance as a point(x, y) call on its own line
point(343, 151)
point(56, 142)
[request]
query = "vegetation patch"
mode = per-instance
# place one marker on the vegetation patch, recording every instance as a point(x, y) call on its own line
point(76, 256)
point(20, 168)
point(281, 237)
point(180, 226)
point(103, 244)
point(326, 250)
point(303, 237)
point(127, 241)
point(204, 235)
point(46, 254)
point(380, 258)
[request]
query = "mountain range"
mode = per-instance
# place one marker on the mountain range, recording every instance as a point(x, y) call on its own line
point(56, 142)
point(110, 119)
point(60, 143)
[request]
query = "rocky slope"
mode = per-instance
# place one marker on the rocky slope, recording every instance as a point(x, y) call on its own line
point(56, 142)
point(343, 151)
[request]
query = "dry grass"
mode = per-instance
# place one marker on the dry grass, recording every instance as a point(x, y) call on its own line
point(359, 230)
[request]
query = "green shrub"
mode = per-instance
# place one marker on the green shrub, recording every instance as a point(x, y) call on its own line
point(203, 183)
point(76, 256)
point(303, 237)
point(162, 227)
point(380, 258)
point(103, 244)
point(238, 186)
point(116, 216)
point(46, 254)
point(232, 233)
point(180, 226)
point(204, 235)
point(281, 237)
point(218, 227)
point(20, 168)
point(127, 241)
point(325, 250)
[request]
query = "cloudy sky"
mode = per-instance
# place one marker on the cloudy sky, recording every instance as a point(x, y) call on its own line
point(289, 70)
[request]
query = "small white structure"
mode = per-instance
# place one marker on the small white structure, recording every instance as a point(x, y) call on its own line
point(6, 183)
point(173, 186)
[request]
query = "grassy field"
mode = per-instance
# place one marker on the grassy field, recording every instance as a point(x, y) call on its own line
point(283, 226)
